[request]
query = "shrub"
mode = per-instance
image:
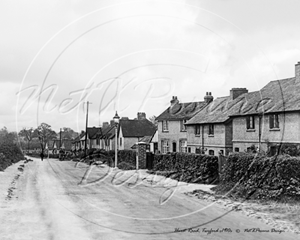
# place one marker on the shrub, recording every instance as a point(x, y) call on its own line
point(260, 176)
point(187, 167)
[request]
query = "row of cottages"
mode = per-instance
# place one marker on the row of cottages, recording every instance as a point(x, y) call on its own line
point(55, 145)
point(129, 132)
point(260, 120)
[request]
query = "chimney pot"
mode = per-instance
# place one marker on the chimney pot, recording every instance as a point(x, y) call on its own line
point(208, 98)
point(236, 92)
point(141, 115)
point(173, 101)
point(297, 72)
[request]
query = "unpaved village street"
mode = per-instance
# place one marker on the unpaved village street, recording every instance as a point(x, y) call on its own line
point(47, 202)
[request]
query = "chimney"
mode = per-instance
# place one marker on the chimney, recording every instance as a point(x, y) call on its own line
point(141, 115)
point(297, 72)
point(105, 124)
point(174, 101)
point(235, 92)
point(208, 97)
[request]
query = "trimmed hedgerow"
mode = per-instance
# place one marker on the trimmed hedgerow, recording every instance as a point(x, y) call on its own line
point(258, 176)
point(187, 167)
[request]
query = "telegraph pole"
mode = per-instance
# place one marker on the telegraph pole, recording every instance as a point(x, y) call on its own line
point(60, 138)
point(86, 125)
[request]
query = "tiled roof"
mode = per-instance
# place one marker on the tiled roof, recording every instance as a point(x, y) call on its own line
point(181, 111)
point(137, 128)
point(276, 96)
point(146, 139)
point(214, 112)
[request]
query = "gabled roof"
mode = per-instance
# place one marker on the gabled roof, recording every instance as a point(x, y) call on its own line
point(92, 132)
point(276, 96)
point(181, 111)
point(107, 132)
point(216, 111)
point(137, 128)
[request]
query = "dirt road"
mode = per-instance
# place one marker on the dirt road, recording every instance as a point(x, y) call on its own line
point(51, 201)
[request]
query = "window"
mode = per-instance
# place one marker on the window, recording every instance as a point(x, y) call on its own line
point(189, 150)
point(274, 121)
point(250, 122)
point(120, 141)
point(210, 129)
point(183, 144)
point(165, 146)
point(97, 141)
point(198, 150)
point(236, 149)
point(211, 152)
point(165, 126)
point(197, 130)
point(182, 126)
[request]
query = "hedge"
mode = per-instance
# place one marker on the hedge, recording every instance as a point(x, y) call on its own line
point(187, 167)
point(9, 153)
point(259, 176)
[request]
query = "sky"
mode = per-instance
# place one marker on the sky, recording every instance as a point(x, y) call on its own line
point(133, 56)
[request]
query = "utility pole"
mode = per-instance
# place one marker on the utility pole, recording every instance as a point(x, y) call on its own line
point(86, 125)
point(60, 138)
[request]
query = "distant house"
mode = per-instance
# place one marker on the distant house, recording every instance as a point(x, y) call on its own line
point(78, 144)
point(150, 141)
point(172, 133)
point(106, 138)
point(269, 117)
point(210, 130)
point(57, 144)
point(131, 131)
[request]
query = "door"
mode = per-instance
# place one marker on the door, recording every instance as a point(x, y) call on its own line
point(174, 147)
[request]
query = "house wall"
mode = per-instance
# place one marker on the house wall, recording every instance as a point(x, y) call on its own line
point(221, 140)
point(174, 134)
point(289, 126)
point(121, 139)
point(129, 142)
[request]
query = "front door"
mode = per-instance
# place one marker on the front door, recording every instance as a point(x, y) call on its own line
point(174, 147)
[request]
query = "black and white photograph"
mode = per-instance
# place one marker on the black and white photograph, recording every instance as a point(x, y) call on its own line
point(149, 119)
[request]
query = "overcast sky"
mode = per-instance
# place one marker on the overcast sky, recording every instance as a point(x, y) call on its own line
point(133, 56)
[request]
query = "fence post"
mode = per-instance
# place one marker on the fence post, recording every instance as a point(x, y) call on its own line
point(221, 162)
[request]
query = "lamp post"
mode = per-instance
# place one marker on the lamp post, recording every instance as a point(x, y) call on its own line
point(116, 120)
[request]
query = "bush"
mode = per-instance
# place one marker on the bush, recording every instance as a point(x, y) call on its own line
point(187, 167)
point(260, 176)
point(10, 152)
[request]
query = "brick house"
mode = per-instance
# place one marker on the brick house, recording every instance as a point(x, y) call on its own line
point(172, 133)
point(210, 130)
point(269, 117)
